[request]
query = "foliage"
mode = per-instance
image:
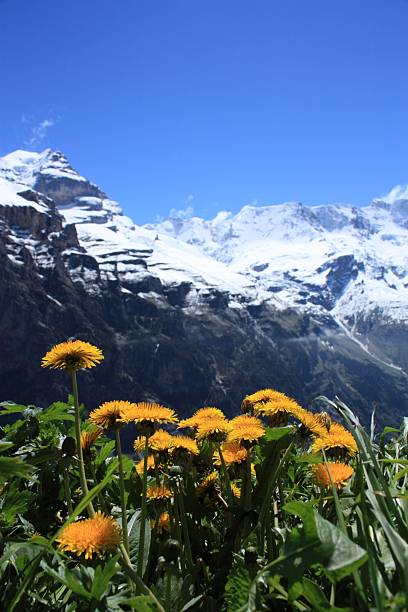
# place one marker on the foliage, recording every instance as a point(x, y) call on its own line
point(281, 543)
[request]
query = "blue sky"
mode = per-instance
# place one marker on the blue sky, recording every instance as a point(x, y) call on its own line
point(211, 104)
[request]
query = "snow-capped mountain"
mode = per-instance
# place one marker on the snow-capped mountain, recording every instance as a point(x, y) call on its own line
point(313, 289)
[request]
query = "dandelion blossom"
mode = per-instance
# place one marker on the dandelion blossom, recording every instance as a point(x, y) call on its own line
point(149, 414)
point(215, 429)
point(312, 423)
point(184, 443)
point(209, 484)
point(150, 465)
point(245, 428)
point(90, 536)
point(339, 473)
point(159, 492)
point(232, 452)
point(274, 405)
point(160, 442)
point(72, 355)
point(163, 522)
point(337, 441)
point(88, 439)
point(110, 414)
point(202, 414)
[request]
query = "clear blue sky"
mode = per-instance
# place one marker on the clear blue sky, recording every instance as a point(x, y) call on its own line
point(211, 103)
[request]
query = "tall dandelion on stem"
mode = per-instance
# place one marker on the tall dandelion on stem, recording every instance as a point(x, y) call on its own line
point(72, 356)
point(109, 416)
point(147, 417)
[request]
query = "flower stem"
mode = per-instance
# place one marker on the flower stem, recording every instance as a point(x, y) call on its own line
point(82, 474)
point(141, 587)
point(67, 489)
point(143, 513)
point(227, 480)
point(168, 588)
point(186, 536)
point(122, 490)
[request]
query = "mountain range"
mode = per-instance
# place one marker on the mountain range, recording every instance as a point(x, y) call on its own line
point(310, 300)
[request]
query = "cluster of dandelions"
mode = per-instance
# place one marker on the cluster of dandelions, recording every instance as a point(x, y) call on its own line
point(227, 477)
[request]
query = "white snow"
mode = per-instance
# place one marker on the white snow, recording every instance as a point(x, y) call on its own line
point(286, 254)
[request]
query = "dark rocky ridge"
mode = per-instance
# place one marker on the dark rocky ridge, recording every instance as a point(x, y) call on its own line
point(155, 349)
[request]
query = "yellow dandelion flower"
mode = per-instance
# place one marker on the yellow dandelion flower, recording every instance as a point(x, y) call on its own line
point(213, 429)
point(311, 422)
point(202, 414)
point(236, 491)
point(271, 404)
point(340, 473)
point(184, 443)
point(90, 536)
point(150, 465)
point(163, 523)
point(209, 484)
point(232, 452)
point(337, 441)
point(161, 441)
point(110, 414)
point(149, 414)
point(72, 355)
point(245, 428)
point(88, 439)
point(159, 492)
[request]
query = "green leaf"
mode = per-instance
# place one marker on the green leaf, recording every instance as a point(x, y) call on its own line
point(102, 577)
point(276, 433)
point(56, 412)
point(104, 453)
point(11, 408)
point(73, 583)
point(5, 446)
point(14, 502)
point(141, 603)
point(237, 588)
point(13, 466)
point(134, 535)
point(345, 556)
point(328, 545)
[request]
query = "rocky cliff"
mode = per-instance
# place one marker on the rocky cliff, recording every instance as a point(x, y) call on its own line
point(183, 319)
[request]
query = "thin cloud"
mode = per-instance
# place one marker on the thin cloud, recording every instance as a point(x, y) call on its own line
point(38, 132)
point(183, 213)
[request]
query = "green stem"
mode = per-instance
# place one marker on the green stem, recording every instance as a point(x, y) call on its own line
point(143, 512)
point(67, 489)
point(168, 588)
point(122, 490)
point(141, 587)
point(226, 476)
point(177, 522)
point(184, 526)
point(100, 496)
point(82, 474)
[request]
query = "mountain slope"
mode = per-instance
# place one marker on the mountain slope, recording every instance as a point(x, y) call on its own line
point(309, 300)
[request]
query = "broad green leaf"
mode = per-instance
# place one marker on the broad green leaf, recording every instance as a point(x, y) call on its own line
point(134, 534)
point(237, 588)
point(104, 453)
point(11, 408)
point(13, 466)
point(5, 446)
point(103, 575)
point(141, 603)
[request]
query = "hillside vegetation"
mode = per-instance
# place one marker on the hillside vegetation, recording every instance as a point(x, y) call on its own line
point(278, 508)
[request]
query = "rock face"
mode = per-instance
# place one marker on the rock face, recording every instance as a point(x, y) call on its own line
point(191, 312)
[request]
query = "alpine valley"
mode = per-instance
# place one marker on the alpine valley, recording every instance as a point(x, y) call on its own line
point(190, 312)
